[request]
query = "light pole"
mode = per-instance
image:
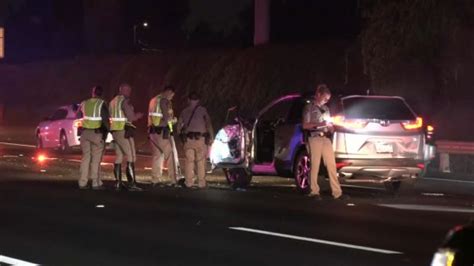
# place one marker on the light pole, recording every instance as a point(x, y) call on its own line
point(144, 25)
point(262, 22)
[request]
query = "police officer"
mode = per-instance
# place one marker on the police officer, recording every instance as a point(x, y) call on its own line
point(316, 120)
point(195, 129)
point(160, 121)
point(122, 116)
point(95, 125)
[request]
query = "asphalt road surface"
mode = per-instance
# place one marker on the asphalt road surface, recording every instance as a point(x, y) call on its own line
point(45, 219)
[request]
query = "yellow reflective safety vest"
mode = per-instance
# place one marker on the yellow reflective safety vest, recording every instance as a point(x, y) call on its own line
point(117, 116)
point(154, 111)
point(172, 119)
point(91, 111)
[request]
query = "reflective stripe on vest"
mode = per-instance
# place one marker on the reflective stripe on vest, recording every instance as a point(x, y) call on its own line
point(117, 116)
point(91, 110)
point(155, 113)
point(171, 121)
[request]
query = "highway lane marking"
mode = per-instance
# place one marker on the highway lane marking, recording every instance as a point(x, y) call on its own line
point(34, 147)
point(433, 194)
point(10, 156)
point(319, 241)
point(17, 144)
point(416, 207)
point(13, 261)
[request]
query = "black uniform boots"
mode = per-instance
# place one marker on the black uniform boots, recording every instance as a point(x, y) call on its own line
point(118, 177)
point(132, 181)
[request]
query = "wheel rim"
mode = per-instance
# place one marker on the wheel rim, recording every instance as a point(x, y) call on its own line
point(237, 177)
point(302, 172)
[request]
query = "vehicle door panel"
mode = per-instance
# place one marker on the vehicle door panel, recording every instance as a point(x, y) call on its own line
point(276, 130)
point(288, 134)
point(54, 127)
point(229, 148)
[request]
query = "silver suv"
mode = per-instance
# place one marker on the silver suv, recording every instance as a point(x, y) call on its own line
point(377, 139)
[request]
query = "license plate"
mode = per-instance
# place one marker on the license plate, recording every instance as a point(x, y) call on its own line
point(382, 147)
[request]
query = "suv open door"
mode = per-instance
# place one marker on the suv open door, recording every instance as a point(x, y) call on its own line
point(230, 150)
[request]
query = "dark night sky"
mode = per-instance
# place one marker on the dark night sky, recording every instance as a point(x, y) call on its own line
point(48, 28)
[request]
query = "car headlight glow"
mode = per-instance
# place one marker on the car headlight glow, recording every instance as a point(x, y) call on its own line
point(444, 257)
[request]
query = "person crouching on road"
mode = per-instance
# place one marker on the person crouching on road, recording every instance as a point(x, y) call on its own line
point(316, 121)
point(160, 116)
point(95, 126)
point(195, 130)
point(122, 116)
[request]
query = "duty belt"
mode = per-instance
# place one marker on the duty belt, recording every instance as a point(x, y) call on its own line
point(157, 130)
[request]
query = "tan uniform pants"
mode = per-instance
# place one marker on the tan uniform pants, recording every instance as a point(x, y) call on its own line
point(195, 151)
point(321, 146)
point(124, 147)
point(162, 151)
point(92, 146)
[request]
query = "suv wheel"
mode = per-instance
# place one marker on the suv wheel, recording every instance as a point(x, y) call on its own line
point(301, 172)
point(238, 177)
point(63, 143)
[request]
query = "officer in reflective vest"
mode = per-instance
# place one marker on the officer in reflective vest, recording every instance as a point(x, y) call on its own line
point(195, 129)
point(95, 125)
point(122, 116)
point(160, 117)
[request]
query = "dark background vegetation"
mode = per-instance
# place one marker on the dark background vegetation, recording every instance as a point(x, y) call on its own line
point(419, 49)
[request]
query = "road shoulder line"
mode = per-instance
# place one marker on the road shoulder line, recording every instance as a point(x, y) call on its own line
point(319, 241)
point(17, 144)
point(13, 261)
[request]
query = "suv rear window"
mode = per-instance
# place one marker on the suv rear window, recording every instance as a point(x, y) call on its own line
point(377, 108)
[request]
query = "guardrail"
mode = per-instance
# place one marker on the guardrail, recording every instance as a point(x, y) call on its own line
point(446, 147)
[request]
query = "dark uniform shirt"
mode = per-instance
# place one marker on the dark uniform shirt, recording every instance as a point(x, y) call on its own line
point(200, 122)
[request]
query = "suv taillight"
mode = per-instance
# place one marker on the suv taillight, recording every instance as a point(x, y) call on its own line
point(413, 125)
point(430, 133)
point(340, 121)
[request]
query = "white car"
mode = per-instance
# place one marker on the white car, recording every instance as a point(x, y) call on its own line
point(60, 129)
